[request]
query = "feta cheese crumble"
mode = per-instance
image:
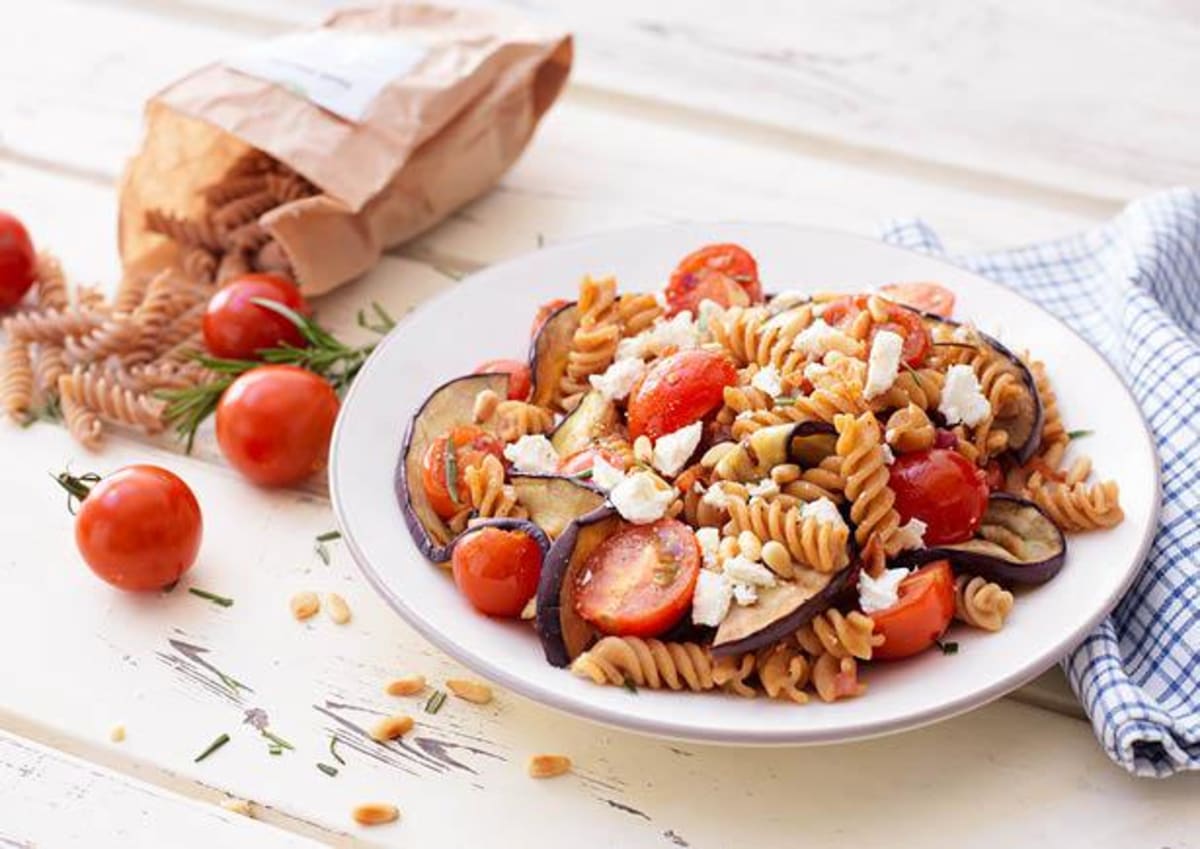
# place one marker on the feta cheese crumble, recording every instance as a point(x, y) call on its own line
point(709, 540)
point(910, 535)
point(961, 399)
point(672, 450)
point(711, 598)
point(676, 332)
point(768, 380)
point(639, 499)
point(883, 364)
point(604, 474)
point(765, 488)
point(819, 338)
point(875, 594)
point(743, 570)
point(745, 594)
point(618, 379)
point(717, 497)
point(823, 510)
point(889, 456)
point(532, 453)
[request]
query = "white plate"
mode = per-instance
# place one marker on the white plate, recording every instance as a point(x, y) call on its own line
point(488, 315)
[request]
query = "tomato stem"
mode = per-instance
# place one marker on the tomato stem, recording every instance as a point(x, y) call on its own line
point(78, 487)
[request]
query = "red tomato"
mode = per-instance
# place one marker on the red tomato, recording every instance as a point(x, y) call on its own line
point(678, 390)
point(903, 322)
point(941, 488)
point(235, 327)
point(17, 261)
point(639, 582)
point(497, 570)
point(583, 460)
point(520, 381)
point(930, 297)
point(922, 614)
point(471, 445)
point(274, 424)
point(724, 273)
point(544, 312)
point(139, 528)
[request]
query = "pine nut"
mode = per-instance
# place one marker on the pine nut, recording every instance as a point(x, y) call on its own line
point(376, 813)
point(238, 806)
point(713, 455)
point(643, 449)
point(1079, 471)
point(305, 605)
point(471, 691)
point(549, 766)
point(410, 685)
point(785, 473)
point(391, 727)
point(117, 734)
point(727, 548)
point(777, 557)
point(749, 545)
point(486, 403)
point(338, 609)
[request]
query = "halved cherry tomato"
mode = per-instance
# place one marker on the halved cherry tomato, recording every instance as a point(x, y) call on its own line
point(921, 616)
point(930, 297)
point(903, 322)
point(236, 327)
point(497, 570)
point(139, 528)
point(471, 445)
point(639, 582)
point(274, 424)
point(520, 381)
point(17, 261)
point(544, 312)
point(583, 460)
point(678, 390)
point(726, 274)
point(941, 488)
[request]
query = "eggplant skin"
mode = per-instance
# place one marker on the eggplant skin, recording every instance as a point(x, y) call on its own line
point(979, 557)
point(549, 351)
point(453, 401)
point(523, 525)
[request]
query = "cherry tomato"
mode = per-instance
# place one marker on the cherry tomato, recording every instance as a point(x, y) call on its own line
point(471, 445)
point(544, 312)
point(714, 272)
point(678, 390)
point(139, 528)
point(941, 488)
point(497, 570)
point(903, 322)
point(235, 327)
point(639, 582)
point(274, 424)
point(17, 261)
point(929, 297)
point(922, 614)
point(520, 381)
point(583, 460)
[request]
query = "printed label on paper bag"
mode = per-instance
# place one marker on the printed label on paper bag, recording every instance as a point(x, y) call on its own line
point(340, 70)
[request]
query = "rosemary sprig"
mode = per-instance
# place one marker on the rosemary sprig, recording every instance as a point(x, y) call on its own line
point(323, 354)
point(1078, 434)
point(436, 699)
point(212, 747)
point(224, 601)
point(333, 741)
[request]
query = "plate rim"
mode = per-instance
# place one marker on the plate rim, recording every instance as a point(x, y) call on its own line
point(665, 728)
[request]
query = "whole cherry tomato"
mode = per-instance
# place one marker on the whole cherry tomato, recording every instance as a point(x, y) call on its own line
point(941, 488)
point(471, 445)
point(497, 570)
point(639, 582)
point(929, 297)
point(903, 322)
point(520, 380)
point(17, 261)
point(237, 328)
point(274, 424)
point(544, 312)
point(922, 614)
point(139, 528)
point(726, 274)
point(678, 390)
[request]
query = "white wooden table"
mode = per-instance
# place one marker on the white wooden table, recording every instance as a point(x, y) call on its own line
point(998, 121)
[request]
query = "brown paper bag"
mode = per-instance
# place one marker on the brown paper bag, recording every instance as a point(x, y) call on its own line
point(398, 114)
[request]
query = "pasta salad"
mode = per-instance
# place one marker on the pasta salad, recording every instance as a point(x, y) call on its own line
point(717, 489)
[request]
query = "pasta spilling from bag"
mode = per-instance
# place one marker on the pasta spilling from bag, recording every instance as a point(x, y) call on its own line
point(723, 490)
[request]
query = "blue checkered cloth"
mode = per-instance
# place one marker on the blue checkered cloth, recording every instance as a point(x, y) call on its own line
point(1131, 288)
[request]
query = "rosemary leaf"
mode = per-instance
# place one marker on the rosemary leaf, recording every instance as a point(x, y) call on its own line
point(275, 750)
point(333, 741)
point(628, 684)
point(949, 647)
point(452, 470)
point(224, 601)
point(276, 739)
point(331, 771)
point(1078, 434)
point(329, 536)
point(322, 552)
point(436, 699)
point(212, 747)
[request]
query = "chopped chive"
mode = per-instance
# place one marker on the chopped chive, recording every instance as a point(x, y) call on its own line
point(276, 739)
point(452, 470)
point(329, 536)
point(628, 684)
point(224, 601)
point(333, 741)
point(331, 771)
point(950, 647)
point(212, 747)
point(1079, 434)
point(436, 699)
